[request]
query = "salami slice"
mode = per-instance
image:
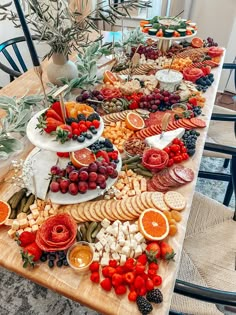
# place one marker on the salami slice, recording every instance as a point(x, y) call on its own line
point(150, 186)
point(198, 122)
point(186, 174)
point(176, 178)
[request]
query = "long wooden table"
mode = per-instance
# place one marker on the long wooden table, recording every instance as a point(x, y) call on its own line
point(76, 286)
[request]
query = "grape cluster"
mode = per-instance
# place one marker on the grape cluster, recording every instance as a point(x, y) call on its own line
point(189, 140)
point(88, 97)
point(209, 42)
point(158, 100)
point(58, 258)
point(204, 82)
point(150, 52)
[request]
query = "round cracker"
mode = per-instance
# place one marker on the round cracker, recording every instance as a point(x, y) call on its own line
point(75, 215)
point(85, 211)
point(135, 207)
point(115, 212)
point(120, 213)
point(97, 209)
point(143, 200)
point(159, 202)
point(104, 214)
point(92, 212)
point(131, 207)
point(108, 208)
point(149, 199)
point(175, 200)
point(124, 209)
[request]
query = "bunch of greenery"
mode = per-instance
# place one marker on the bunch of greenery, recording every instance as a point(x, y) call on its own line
point(63, 29)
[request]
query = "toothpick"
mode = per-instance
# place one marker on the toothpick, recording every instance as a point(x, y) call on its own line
point(129, 183)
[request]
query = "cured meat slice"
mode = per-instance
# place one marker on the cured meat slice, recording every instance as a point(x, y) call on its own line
point(150, 186)
point(155, 159)
point(186, 174)
point(198, 122)
point(57, 233)
point(176, 178)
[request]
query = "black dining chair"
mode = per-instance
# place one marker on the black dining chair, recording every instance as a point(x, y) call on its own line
point(222, 130)
point(17, 64)
point(207, 277)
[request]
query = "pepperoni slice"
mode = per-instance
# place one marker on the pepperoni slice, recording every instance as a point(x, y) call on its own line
point(184, 173)
point(198, 122)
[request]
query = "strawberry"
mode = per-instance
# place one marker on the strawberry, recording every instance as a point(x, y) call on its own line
point(63, 133)
point(129, 277)
point(151, 273)
point(57, 107)
point(113, 263)
point(103, 155)
point(106, 284)
point(157, 280)
point(94, 277)
point(192, 101)
point(132, 296)
point(142, 259)
point(153, 266)
point(63, 154)
point(167, 252)
point(139, 269)
point(48, 125)
point(83, 128)
point(53, 114)
point(76, 132)
point(30, 254)
point(149, 285)
point(139, 282)
point(116, 279)
point(121, 289)
point(26, 238)
point(96, 123)
point(94, 266)
point(153, 251)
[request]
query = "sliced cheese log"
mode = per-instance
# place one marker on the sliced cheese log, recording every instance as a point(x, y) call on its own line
point(161, 143)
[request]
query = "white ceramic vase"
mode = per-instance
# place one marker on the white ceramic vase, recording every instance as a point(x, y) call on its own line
point(61, 67)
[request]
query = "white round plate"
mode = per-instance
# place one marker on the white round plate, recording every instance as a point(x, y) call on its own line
point(171, 38)
point(47, 142)
point(41, 162)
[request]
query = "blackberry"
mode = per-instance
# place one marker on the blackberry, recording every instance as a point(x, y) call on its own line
point(69, 121)
point(81, 117)
point(144, 306)
point(93, 116)
point(108, 143)
point(154, 296)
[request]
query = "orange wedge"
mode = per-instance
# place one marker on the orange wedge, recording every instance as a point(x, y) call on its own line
point(197, 42)
point(73, 109)
point(153, 224)
point(109, 77)
point(134, 121)
point(82, 157)
point(5, 211)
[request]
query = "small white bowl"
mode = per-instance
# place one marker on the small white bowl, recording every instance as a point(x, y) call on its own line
point(169, 79)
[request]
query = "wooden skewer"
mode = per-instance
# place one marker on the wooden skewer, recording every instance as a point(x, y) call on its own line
point(58, 93)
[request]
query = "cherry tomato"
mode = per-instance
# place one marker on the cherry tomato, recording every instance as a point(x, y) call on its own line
point(75, 125)
point(174, 147)
point(60, 154)
point(172, 154)
point(170, 162)
point(183, 149)
point(176, 141)
point(167, 150)
point(76, 132)
point(177, 159)
point(185, 156)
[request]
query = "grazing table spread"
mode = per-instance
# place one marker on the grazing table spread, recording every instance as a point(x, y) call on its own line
point(78, 286)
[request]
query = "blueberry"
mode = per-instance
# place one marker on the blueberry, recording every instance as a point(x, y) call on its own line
point(43, 258)
point(92, 128)
point(65, 262)
point(116, 161)
point(83, 134)
point(208, 82)
point(89, 136)
point(52, 257)
point(59, 263)
point(51, 263)
point(94, 131)
point(81, 139)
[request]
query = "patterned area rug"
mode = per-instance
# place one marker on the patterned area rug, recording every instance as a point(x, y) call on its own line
point(19, 296)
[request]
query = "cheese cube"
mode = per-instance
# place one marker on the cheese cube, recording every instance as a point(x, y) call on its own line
point(143, 246)
point(51, 211)
point(32, 222)
point(131, 193)
point(121, 241)
point(109, 229)
point(11, 233)
point(125, 250)
point(137, 251)
point(122, 259)
point(98, 246)
point(139, 237)
point(33, 207)
point(133, 228)
point(104, 261)
point(45, 213)
point(28, 229)
point(124, 229)
point(115, 256)
point(100, 234)
point(127, 243)
point(117, 248)
point(120, 235)
point(96, 257)
point(35, 213)
point(35, 228)
point(47, 208)
point(30, 216)
point(105, 223)
point(113, 247)
point(133, 244)
point(143, 185)
point(55, 206)
point(103, 241)
point(15, 225)
point(23, 223)
point(21, 215)
point(39, 220)
point(110, 240)
point(107, 248)
point(20, 231)
point(100, 252)
point(106, 255)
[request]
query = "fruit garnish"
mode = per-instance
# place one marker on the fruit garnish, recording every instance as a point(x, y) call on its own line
point(109, 77)
point(153, 224)
point(73, 109)
point(197, 42)
point(167, 252)
point(5, 211)
point(26, 238)
point(63, 133)
point(30, 254)
point(82, 157)
point(134, 121)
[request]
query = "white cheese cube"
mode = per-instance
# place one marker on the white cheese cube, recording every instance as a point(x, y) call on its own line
point(21, 215)
point(105, 223)
point(103, 241)
point(100, 234)
point(137, 251)
point(20, 231)
point(39, 220)
point(125, 250)
point(126, 224)
point(127, 243)
point(35, 228)
point(96, 257)
point(143, 246)
point(115, 256)
point(30, 216)
point(104, 261)
point(110, 240)
point(113, 247)
point(11, 233)
point(133, 244)
point(23, 223)
point(122, 259)
point(32, 222)
point(133, 228)
point(139, 237)
point(51, 211)
point(121, 241)
point(116, 223)
point(114, 231)
point(33, 206)
point(107, 248)
point(98, 246)
point(125, 229)
point(28, 229)
point(45, 213)
point(117, 248)
point(106, 255)
point(47, 208)
point(109, 230)
point(15, 225)
point(100, 252)
point(120, 235)
point(35, 213)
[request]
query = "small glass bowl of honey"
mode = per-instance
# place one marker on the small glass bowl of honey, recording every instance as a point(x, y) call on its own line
point(80, 256)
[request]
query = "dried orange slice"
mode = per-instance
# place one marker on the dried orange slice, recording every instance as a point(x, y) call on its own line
point(134, 121)
point(82, 157)
point(153, 224)
point(197, 42)
point(73, 109)
point(5, 211)
point(109, 77)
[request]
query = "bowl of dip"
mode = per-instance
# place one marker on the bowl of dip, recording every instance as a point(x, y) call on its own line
point(179, 109)
point(169, 80)
point(80, 256)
